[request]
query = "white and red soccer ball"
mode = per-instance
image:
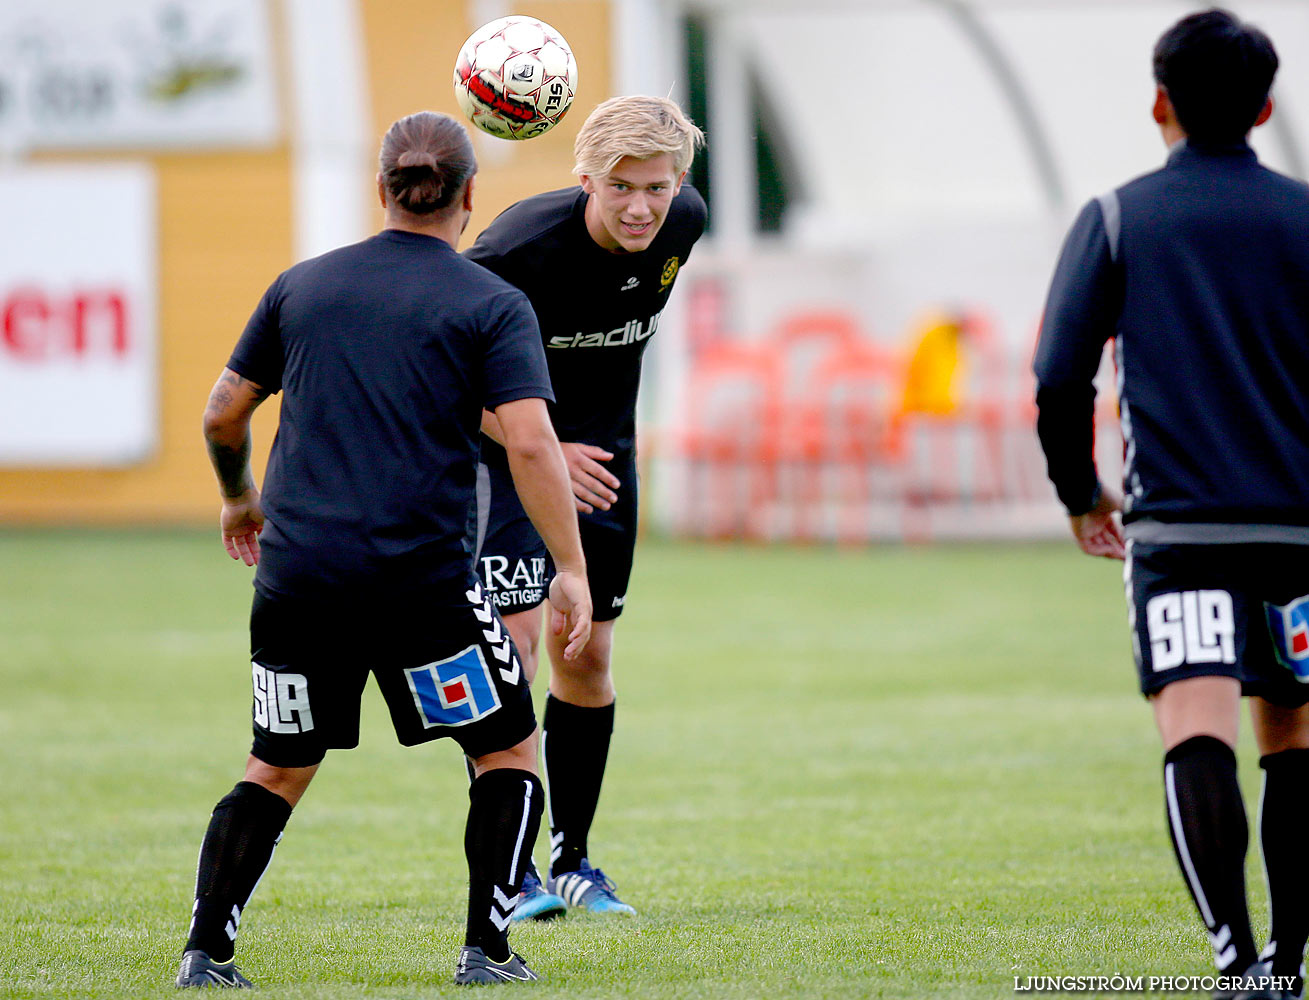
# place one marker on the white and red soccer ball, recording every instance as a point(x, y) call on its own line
point(515, 77)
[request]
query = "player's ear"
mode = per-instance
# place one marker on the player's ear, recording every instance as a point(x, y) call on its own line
point(678, 186)
point(381, 190)
point(588, 185)
point(1162, 108)
point(468, 194)
point(1265, 113)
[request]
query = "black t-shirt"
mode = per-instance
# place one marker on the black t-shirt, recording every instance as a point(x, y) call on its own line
point(597, 309)
point(386, 353)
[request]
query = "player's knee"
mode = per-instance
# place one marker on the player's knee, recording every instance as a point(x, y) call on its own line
point(288, 782)
point(587, 675)
point(525, 630)
point(521, 756)
point(530, 658)
point(588, 667)
point(529, 650)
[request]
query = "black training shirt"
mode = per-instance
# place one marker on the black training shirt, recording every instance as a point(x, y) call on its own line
point(597, 309)
point(386, 352)
point(1200, 271)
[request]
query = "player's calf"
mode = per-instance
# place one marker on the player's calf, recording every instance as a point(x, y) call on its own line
point(504, 815)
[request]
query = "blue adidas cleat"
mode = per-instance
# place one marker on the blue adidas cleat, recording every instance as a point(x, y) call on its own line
point(590, 889)
point(535, 903)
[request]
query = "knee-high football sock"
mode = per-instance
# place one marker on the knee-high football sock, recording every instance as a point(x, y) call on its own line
point(1206, 820)
point(243, 831)
point(574, 749)
point(531, 861)
point(1281, 832)
point(504, 815)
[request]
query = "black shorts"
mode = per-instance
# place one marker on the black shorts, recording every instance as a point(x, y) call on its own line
point(444, 669)
point(512, 560)
point(1221, 610)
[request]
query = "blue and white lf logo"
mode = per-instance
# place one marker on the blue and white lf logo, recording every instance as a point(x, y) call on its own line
point(1289, 626)
point(454, 691)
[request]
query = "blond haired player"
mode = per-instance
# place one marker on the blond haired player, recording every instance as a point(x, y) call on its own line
point(598, 262)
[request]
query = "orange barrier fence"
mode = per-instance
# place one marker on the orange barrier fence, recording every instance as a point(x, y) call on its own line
point(818, 432)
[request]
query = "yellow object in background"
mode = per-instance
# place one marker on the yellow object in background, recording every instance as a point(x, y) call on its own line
point(934, 373)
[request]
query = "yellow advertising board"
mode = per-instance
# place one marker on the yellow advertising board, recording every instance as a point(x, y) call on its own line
point(225, 220)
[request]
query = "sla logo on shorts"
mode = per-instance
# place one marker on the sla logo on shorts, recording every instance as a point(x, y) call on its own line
point(454, 691)
point(281, 700)
point(1191, 626)
point(1289, 627)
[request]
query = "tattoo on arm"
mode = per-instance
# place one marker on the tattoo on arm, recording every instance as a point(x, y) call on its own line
point(233, 467)
point(223, 395)
point(231, 402)
point(220, 398)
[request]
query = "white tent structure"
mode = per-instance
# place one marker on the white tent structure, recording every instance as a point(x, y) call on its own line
point(921, 109)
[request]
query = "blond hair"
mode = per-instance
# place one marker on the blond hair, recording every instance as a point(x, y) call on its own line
point(636, 126)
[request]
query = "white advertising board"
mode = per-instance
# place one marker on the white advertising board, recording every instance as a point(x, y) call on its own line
point(85, 74)
point(78, 368)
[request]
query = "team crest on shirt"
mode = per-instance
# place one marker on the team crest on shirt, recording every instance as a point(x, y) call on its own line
point(1288, 625)
point(669, 272)
point(454, 691)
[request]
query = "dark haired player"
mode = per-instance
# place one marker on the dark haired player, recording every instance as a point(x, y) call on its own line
point(1200, 273)
point(386, 353)
point(598, 263)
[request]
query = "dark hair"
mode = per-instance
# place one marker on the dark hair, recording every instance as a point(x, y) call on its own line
point(426, 158)
point(1217, 72)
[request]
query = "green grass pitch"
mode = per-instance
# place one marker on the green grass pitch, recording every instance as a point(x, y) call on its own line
point(892, 772)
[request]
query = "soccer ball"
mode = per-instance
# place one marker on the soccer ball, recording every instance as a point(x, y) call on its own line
point(515, 77)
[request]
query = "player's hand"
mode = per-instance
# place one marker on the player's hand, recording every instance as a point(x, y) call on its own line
point(570, 608)
point(593, 484)
point(241, 522)
point(1098, 532)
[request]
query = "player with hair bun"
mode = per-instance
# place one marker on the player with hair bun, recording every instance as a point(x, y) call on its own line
point(598, 262)
point(387, 353)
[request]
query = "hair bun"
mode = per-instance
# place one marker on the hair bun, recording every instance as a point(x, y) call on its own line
point(416, 158)
point(425, 160)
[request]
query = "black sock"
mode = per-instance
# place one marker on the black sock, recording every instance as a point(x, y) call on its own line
point(1281, 833)
point(243, 831)
point(1206, 820)
point(531, 861)
point(504, 815)
point(574, 748)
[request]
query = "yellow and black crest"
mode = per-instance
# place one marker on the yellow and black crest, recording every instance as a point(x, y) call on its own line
point(669, 272)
